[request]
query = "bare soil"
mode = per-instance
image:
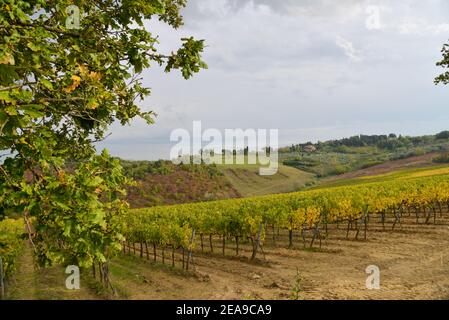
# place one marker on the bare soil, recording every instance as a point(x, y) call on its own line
point(413, 261)
point(390, 166)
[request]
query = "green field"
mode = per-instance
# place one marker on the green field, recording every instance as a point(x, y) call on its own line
point(247, 181)
point(406, 173)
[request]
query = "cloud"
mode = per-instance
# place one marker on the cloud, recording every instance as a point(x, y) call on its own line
point(312, 68)
point(348, 49)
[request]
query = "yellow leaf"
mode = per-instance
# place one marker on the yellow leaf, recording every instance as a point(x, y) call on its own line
point(92, 105)
point(74, 85)
point(7, 59)
point(83, 69)
point(95, 76)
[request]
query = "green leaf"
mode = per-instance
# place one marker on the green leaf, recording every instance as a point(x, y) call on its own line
point(33, 110)
point(33, 47)
point(10, 110)
point(47, 84)
point(4, 96)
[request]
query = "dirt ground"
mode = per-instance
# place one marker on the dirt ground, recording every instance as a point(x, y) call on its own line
point(413, 262)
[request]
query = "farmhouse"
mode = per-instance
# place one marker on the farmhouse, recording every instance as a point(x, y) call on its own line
point(309, 148)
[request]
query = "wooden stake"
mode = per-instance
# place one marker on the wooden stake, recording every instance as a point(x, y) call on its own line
point(154, 252)
point(290, 238)
point(183, 263)
point(190, 249)
point(224, 244)
point(202, 243)
point(237, 245)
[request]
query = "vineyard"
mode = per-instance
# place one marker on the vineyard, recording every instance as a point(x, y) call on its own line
point(308, 215)
point(11, 246)
point(254, 245)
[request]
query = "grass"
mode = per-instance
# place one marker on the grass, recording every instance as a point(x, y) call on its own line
point(247, 181)
point(31, 283)
point(330, 161)
point(407, 173)
point(131, 276)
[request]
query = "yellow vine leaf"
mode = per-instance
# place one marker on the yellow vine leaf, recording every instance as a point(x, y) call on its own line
point(76, 82)
point(92, 105)
point(7, 59)
point(95, 75)
point(83, 69)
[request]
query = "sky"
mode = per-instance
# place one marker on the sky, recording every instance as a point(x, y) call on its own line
point(313, 69)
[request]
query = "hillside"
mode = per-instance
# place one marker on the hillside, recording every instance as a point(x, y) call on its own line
point(162, 182)
point(415, 167)
point(391, 166)
point(335, 157)
point(302, 166)
point(247, 181)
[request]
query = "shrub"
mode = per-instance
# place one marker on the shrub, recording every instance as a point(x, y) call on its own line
point(442, 158)
point(11, 243)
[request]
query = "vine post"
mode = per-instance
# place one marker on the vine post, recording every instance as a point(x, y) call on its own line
point(189, 256)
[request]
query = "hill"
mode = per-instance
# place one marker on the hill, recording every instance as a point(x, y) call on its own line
point(393, 170)
point(247, 181)
point(302, 166)
point(335, 157)
point(162, 182)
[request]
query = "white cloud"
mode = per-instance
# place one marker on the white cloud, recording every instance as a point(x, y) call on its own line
point(349, 49)
point(289, 64)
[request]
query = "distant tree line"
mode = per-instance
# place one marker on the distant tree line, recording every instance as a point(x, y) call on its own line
point(389, 142)
point(139, 169)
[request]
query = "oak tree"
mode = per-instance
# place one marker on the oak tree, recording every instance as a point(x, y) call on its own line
point(69, 69)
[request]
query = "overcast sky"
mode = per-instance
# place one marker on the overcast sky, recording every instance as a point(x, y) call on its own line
point(314, 69)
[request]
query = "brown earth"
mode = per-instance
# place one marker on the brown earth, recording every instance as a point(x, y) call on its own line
point(413, 262)
point(179, 186)
point(390, 166)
